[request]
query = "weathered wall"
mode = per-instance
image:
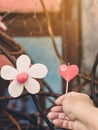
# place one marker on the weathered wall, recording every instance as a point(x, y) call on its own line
point(89, 32)
point(89, 23)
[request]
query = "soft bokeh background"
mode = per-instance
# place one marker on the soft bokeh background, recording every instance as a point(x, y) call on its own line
point(79, 28)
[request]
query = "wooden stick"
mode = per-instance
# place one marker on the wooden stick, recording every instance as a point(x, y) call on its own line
point(67, 87)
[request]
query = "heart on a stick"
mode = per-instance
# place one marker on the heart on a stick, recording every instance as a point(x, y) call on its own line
point(68, 72)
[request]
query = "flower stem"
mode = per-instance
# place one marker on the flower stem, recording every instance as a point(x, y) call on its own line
point(51, 127)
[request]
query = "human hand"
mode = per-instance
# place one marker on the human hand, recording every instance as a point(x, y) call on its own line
point(72, 111)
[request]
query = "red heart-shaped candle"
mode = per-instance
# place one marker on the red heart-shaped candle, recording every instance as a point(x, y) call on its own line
point(68, 72)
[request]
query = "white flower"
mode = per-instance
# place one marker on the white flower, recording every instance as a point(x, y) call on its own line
point(23, 76)
point(2, 25)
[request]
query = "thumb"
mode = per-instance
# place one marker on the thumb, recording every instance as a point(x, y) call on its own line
point(60, 100)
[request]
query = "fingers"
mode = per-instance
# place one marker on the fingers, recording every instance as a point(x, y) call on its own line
point(61, 98)
point(60, 119)
point(57, 109)
point(64, 106)
point(63, 123)
point(56, 115)
point(52, 115)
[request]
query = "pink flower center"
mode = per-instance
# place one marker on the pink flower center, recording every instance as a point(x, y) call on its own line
point(22, 77)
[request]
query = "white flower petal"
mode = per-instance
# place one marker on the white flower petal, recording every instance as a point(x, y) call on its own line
point(23, 63)
point(38, 71)
point(32, 86)
point(15, 89)
point(3, 26)
point(8, 72)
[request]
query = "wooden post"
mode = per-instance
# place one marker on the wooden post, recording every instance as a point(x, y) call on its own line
point(71, 32)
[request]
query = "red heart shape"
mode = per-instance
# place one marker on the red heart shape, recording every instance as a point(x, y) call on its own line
point(68, 72)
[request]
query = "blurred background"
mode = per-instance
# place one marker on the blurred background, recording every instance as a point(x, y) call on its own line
point(52, 32)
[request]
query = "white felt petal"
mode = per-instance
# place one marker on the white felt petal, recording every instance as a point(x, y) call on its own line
point(38, 71)
point(32, 86)
point(15, 89)
point(3, 26)
point(23, 63)
point(8, 72)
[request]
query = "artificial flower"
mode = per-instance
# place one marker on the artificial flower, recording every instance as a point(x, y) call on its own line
point(2, 25)
point(23, 76)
